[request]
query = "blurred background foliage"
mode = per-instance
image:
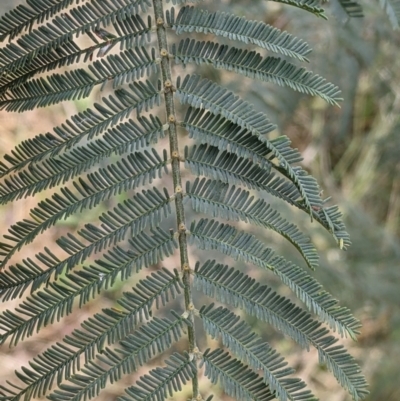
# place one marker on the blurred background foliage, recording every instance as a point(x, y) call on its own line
point(353, 151)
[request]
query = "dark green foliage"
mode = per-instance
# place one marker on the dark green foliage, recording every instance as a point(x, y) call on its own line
point(231, 203)
point(109, 160)
point(253, 65)
point(236, 28)
point(236, 379)
point(163, 382)
point(133, 32)
point(239, 338)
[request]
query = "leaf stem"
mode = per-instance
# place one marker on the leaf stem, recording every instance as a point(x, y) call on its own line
point(176, 174)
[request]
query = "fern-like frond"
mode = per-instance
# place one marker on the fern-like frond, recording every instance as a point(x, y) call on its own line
point(229, 202)
point(85, 125)
point(135, 350)
point(251, 64)
point(342, 365)
point(146, 250)
point(63, 28)
point(227, 167)
point(123, 138)
point(130, 217)
point(129, 173)
point(201, 93)
point(239, 338)
point(217, 131)
point(145, 210)
point(141, 169)
point(22, 18)
point(55, 302)
point(331, 218)
point(233, 150)
point(236, 28)
point(66, 54)
point(77, 84)
point(125, 67)
point(234, 287)
point(134, 32)
point(311, 292)
point(239, 245)
point(109, 327)
point(126, 170)
point(162, 383)
point(204, 93)
point(63, 168)
point(73, 85)
point(236, 379)
point(312, 6)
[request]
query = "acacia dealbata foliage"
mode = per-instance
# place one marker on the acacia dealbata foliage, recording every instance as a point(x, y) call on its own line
point(222, 163)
